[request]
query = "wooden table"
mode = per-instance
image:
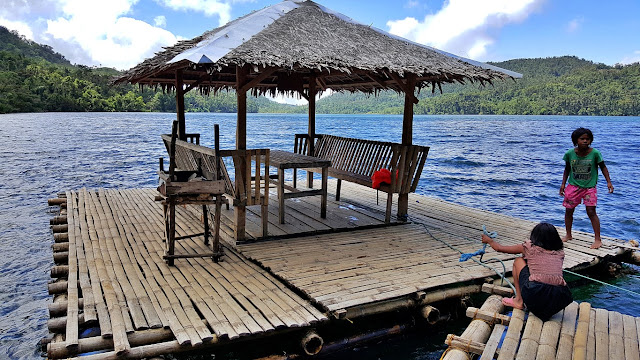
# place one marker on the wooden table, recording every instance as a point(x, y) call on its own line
point(287, 160)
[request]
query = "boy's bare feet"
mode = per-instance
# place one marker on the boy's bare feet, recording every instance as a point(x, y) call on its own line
point(596, 244)
point(567, 238)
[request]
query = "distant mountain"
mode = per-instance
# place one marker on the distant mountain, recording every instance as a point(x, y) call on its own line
point(12, 42)
point(563, 85)
point(35, 78)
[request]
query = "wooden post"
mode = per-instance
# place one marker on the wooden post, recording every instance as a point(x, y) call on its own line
point(180, 105)
point(407, 136)
point(312, 123)
point(241, 144)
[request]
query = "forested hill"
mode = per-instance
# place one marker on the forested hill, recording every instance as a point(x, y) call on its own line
point(12, 42)
point(34, 78)
point(563, 85)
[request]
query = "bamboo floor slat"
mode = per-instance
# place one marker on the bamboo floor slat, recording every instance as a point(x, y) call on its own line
point(577, 332)
point(118, 280)
point(348, 269)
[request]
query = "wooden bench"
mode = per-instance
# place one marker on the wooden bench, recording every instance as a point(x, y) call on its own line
point(252, 190)
point(355, 160)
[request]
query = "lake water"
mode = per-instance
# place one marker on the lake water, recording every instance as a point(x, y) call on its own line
point(507, 164)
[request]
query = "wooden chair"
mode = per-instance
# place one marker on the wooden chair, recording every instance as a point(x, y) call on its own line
point(199, 186)
point(252, 185)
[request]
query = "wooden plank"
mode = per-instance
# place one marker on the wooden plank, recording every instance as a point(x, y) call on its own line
point(566, 341)
point(631, 349)
point(602, 334)
point(616, 332)
point(492, 343)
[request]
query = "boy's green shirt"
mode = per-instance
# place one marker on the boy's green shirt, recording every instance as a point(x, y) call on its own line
point(584, 170)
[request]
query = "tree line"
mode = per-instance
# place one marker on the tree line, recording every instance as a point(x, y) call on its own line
point(34, 78)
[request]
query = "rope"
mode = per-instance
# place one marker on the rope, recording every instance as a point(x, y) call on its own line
point(602, 282)
point(480, 262)
point(493, 235)
point(502, 275)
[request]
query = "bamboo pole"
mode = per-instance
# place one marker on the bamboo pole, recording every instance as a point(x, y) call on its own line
point(59, 308)
point(495, 317)
point(71, 337)
point(57, 350)
point(549, 337)
point(512, 338)
point(567, 333)
point(582, 332)
point(530, 338)
point(61, 238)
point(477, 331)
point(58, 220)
point(59, 228)
point(56, 201)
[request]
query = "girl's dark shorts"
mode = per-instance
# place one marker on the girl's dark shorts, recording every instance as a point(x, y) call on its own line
point(542, 299)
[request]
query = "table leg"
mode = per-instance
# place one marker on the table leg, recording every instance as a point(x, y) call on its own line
point(323, 203)
point(281, 195)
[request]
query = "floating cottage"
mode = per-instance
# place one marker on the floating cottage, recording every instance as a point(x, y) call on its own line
point(210, 260)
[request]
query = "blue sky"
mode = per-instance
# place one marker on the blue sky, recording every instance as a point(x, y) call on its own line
point(122, 33)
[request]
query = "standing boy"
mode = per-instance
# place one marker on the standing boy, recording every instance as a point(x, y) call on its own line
point(581, 168)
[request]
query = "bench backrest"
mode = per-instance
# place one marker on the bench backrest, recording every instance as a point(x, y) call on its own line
point(364, 157)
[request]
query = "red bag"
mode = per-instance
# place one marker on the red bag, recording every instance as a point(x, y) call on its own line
point(379, 177)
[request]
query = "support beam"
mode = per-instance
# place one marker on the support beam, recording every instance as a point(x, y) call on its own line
point(241, 144)
point(407, 136)
point(312, 122)
point(182, 134)
point(255, 81)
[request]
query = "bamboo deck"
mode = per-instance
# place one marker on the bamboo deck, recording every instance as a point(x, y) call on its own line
point(578, 332)
point(116, 280)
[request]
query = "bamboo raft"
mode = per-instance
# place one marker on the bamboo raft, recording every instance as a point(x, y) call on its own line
point(578, 332)
point(110, 275)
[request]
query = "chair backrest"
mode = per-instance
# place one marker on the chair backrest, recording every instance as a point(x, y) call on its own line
point(192, 157)
point(254, 188)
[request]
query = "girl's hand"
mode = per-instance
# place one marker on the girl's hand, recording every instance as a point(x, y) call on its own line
point(562, 190)
point(486, 239)
point(610, 187)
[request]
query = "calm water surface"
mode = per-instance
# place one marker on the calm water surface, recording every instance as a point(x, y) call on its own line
point(507, 164)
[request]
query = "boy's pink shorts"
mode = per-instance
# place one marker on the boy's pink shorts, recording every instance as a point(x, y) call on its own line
point(573, 195)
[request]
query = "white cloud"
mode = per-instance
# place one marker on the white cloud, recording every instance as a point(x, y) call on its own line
point(160, 21)
point(207, 7)
point(630, 59)
point(575, 24)
point(21, 27)
point(98, 33)
point(464, 27)
point(412, 4)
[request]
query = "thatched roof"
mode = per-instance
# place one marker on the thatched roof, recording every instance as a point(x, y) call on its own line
point(291, 40)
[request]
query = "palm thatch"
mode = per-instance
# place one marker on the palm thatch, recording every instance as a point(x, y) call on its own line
point(283, 45)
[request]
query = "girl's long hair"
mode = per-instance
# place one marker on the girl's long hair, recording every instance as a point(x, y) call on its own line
point(546, 236)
